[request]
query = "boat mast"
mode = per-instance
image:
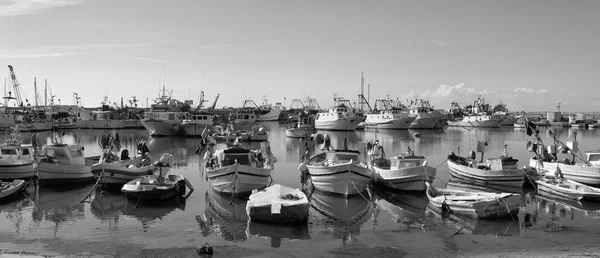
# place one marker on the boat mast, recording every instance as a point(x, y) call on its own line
point(35, 92)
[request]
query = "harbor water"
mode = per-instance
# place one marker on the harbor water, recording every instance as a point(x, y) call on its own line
point(380, 223)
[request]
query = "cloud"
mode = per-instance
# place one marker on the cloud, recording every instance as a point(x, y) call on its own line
point(523, 89)
point(542, 91)
point(96, 24)
point(445, 90)
point(11, 8)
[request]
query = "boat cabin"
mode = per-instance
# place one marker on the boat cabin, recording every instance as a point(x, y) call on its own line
point(245, 116)
point(400, 162)
point(13, 147)
point(63, 154)
point(228, 157)
point(593, 157)
point(336, 156)
point(201, 119)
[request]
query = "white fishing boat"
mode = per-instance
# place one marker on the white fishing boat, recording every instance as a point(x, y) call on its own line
point(495, 171)
point(115, 171)
point(194, 126)
point(268, 112)
point(238, 170)
point(479, 115)
point(17, 160)
point(405, 172)
point(426, 116)
point(341, 117)
point(9, 190)
point(63, 164)
point(305, 127)
point(568, 189)
point(388, 116)
point(481, 205)
point(339, 171)
point(584, 170)
point(257, 134)
point(166, 115)
point(279, 204)
point(156, 188)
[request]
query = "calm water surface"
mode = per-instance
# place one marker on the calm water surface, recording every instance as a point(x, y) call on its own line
point(381, 218)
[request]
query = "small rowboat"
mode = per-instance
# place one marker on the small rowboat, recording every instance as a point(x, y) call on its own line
point(568, 189)
point(279, 204)
point(156, 188)
point(9, 190)
point(480, 205)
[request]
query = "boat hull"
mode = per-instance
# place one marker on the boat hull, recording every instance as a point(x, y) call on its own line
point(195, 130)
point(16, 169)
point(483, 124)
point(269, 206)
point(299, 132)
point(238, 179)
point(408, 179)
point(99, 124)
point(118, 174)
point(561, 192)
point(505, 177)
point(348, 124)
point(345, 179)
point(57, 174)
point(156, 195)
point(589, 175)
point(394, 124)
point(272, 115)
point(16, 188)
point(157, 127)
point(493, 207)
point(429, 122)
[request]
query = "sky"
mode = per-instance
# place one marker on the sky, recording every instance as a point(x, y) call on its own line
point(529, 55)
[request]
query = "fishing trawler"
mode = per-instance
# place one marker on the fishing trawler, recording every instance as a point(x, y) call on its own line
point(478, 115)
point(166, 115)
point(426, 116)
point(388, 116)
point(341, 117)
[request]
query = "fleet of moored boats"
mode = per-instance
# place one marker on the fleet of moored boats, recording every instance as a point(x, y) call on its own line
point(233, 170)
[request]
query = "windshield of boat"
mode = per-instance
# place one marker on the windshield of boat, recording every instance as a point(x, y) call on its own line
point(229, 159)
point(9, 151)
point(592, 157)
point(342, 157)
point(406, 163)
point(56, 153)
point(75, 152)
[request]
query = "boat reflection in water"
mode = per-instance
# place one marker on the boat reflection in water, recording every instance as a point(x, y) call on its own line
point(224, 215)
point(403, 207)
point(14, 212)
point(276, 232)
point(566, 209)
point(344, 216)
point(108, 206)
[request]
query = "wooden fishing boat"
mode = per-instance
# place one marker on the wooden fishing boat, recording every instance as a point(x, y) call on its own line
point(568, 189)
point(405, 172)
point(116, 172)
point(156, 188)
point(63, 164)
point(498, 171)
point(239, 170)
point(480, 205)
point(304, 128)
point(339, 171)
point(17, 160)
point(9, 190)
point(278, 203)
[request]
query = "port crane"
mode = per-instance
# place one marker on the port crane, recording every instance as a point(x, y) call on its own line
point(16, 88)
